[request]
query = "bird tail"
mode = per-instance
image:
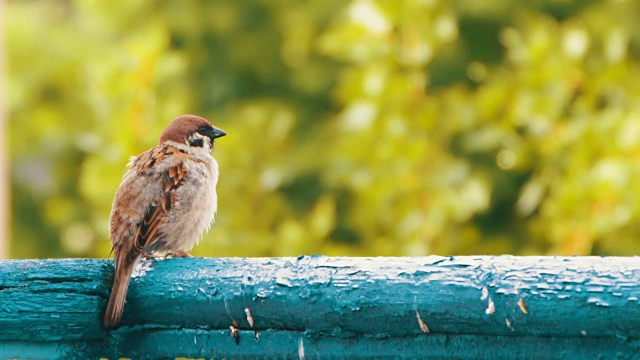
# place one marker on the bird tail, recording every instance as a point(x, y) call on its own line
point(118, 294)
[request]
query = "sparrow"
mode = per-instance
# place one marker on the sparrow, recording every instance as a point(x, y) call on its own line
point(166, 201)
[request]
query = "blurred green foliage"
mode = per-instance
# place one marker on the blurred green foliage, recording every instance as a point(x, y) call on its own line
point(355, 127)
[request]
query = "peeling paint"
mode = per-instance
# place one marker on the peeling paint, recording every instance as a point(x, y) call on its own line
point(597, 301)
point(523, 306)
point(344, 298)
point(144, 266)
point(421, 323)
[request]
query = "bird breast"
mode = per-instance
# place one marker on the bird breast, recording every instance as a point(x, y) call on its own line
point(196, 206)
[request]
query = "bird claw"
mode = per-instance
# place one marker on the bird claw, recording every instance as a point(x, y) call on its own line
point(178, 254)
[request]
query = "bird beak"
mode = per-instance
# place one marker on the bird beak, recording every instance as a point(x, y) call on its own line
point(218, 133)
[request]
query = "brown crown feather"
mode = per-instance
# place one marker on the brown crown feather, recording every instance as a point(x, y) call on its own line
point(181, 127)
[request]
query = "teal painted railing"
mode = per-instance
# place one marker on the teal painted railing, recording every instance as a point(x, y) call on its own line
point(323, 307)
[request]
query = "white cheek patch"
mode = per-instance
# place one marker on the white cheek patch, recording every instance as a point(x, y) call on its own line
point(197, 139)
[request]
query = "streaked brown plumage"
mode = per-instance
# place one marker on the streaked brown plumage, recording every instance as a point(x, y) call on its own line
point(165, 202)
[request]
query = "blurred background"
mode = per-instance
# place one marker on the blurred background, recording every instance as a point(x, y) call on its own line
point(355, 127)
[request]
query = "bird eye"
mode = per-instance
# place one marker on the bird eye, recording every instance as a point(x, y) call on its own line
point(204, 129)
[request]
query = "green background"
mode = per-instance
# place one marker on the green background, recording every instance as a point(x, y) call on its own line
point(355, 127)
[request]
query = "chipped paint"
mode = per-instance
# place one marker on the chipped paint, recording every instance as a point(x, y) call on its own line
point(508, 323)
point(249, 316)
point(301, 349)
point(374, 300)
point(491, 307)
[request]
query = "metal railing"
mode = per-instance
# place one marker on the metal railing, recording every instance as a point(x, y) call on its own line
point(327, 307)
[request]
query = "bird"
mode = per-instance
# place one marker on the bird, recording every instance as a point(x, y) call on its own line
point(166, 201)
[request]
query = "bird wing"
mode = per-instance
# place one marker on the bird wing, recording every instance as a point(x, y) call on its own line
point(164, 164)
point(157, 214)
point(142, 205)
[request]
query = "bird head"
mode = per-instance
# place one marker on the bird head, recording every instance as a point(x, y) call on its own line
point(192, 130)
